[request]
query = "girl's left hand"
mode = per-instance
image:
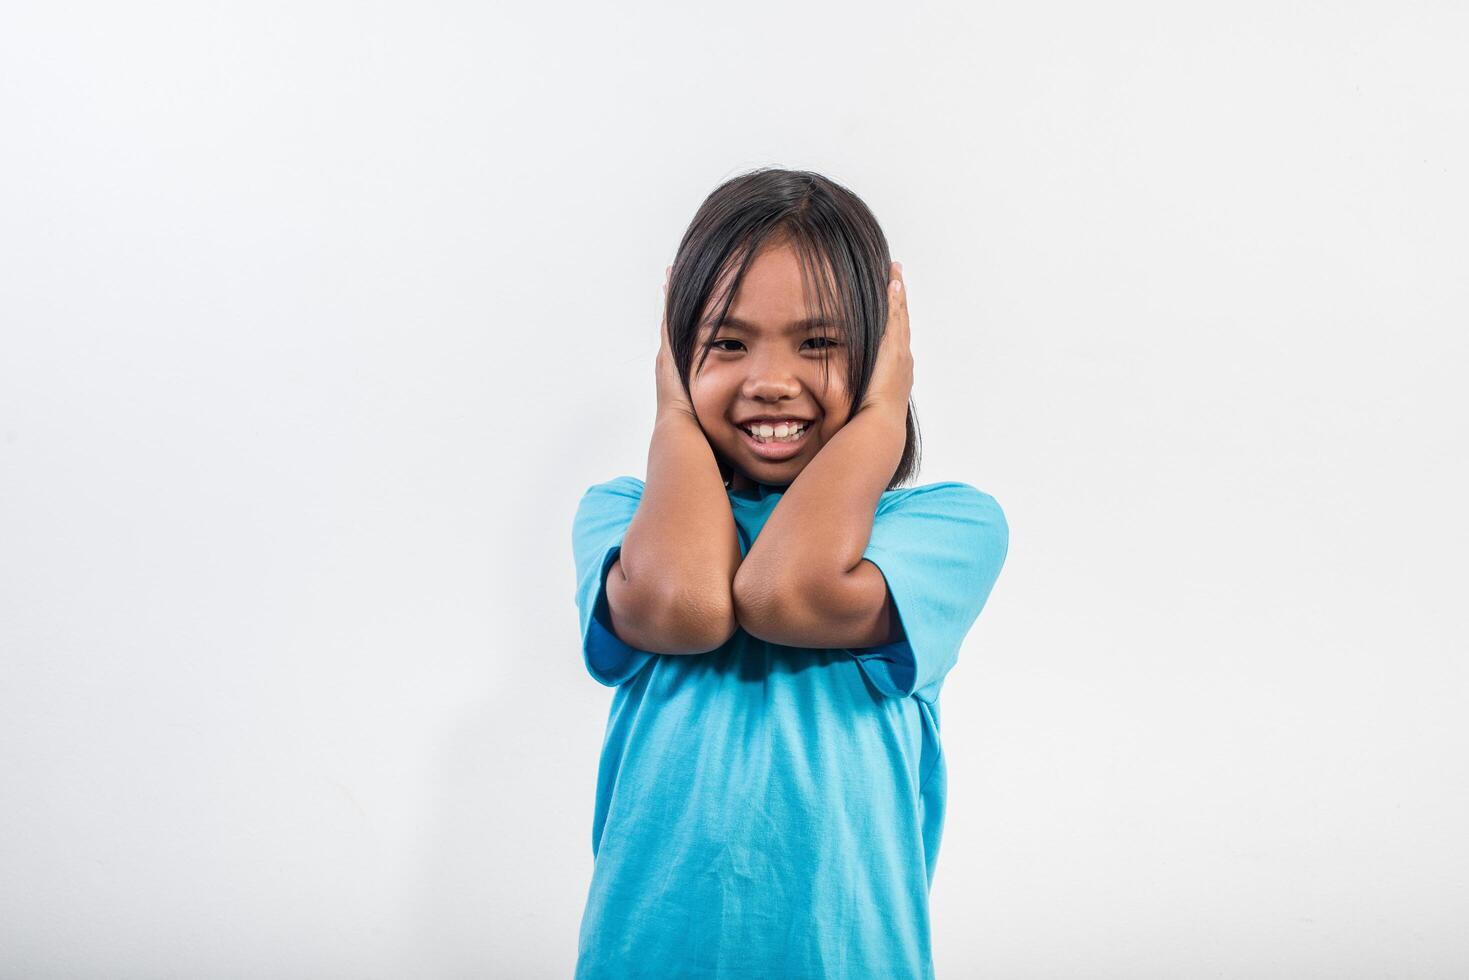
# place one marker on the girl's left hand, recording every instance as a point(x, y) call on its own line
point(892, 377)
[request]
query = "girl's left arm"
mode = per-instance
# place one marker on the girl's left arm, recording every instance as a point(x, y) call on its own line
point(804, 582)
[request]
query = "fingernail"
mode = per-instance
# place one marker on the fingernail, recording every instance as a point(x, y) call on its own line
point(897, 285)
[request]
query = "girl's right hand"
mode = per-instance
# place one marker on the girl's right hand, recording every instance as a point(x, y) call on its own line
point(671, 396)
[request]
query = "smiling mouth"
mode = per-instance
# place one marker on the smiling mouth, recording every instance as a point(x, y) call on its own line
point(774, 447)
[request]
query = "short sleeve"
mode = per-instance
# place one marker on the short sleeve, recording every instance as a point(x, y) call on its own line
point(602, 517)
point(940, 548)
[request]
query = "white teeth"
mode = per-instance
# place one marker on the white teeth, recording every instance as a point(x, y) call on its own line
point(781, 432)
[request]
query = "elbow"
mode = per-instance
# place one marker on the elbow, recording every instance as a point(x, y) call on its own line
point(696, 619)
point(814, 612)
point(757, 607)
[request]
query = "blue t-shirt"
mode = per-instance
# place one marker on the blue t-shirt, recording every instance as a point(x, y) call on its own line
point(767, 811)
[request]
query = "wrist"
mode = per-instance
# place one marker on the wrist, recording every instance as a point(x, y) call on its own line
point(886, 408)
point(674, 412)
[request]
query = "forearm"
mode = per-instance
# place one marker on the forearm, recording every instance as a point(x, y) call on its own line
point(823, 522)
point(681, 549)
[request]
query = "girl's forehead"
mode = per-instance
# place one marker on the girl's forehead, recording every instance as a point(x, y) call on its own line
point(787, 312)
point(775, 293)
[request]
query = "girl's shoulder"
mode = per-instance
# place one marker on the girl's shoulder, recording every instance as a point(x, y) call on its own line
point(943, 493)
point(621, 485)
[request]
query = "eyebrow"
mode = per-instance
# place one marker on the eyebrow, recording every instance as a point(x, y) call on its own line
point(799, 326)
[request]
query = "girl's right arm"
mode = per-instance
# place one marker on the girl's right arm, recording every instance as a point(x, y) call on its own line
point(670, 589)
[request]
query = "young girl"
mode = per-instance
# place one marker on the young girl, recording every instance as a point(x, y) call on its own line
point(775, 614)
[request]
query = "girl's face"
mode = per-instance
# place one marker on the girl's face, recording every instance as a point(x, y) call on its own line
point(766, 364)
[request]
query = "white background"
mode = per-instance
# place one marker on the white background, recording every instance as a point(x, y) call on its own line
point(318, 320)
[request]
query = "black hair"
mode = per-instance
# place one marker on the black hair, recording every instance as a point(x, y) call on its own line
point(841, 248)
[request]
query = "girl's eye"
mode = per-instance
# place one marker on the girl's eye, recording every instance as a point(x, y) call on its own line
point(826, 343)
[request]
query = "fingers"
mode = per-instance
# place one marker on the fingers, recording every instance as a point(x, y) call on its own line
point(663, 318)
point(897, 294)
point(667, 277)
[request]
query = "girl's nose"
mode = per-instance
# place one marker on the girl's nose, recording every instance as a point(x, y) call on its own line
point(771, 384)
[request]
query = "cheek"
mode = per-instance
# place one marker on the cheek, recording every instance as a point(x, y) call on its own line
point(713, 385)
point(831, 381)
point(834, 407)
point(702, 394)
point(710, 404)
